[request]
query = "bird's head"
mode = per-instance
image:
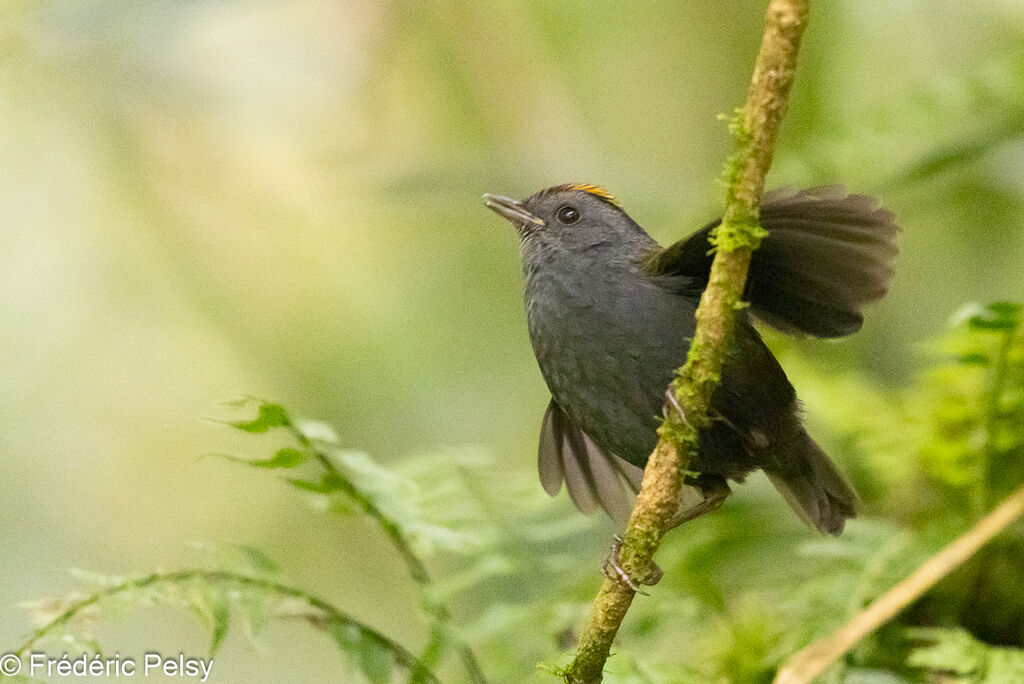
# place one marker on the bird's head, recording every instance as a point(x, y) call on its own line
point(574, 217)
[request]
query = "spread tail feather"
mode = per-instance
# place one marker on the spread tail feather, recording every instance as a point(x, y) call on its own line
point(828, 254)
point(814, 487)
point(592, 477)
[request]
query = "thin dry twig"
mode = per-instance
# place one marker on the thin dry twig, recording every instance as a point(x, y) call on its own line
point(812, 660)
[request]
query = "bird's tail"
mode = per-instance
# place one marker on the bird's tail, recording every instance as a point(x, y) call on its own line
point(813, 486)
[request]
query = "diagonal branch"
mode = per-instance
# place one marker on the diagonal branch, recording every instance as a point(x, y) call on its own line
point(812, 660)
point(735, 239)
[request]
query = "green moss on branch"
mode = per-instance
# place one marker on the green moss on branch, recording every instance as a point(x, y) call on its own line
point(755, 129)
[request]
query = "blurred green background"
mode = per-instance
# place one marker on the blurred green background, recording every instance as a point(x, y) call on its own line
point(200, 199)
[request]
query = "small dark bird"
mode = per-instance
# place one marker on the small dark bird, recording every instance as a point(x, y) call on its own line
point(611, 315)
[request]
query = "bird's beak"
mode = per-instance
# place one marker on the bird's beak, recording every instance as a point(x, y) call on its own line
point(512, 210)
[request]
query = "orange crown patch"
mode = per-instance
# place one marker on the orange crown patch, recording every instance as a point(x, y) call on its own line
point(596, 191)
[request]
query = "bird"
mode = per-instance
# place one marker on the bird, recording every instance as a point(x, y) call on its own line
point(610, 315)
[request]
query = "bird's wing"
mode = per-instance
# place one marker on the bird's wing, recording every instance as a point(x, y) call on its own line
point(592, 477)
point(827, 254)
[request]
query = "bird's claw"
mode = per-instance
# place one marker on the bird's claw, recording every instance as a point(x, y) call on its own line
point(613, 571)
point(670, 398)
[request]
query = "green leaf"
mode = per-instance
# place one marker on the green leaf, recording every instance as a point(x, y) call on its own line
point(328, 483)
point(211, 604)
point(374, 658)
point(1007, 309)
point(869, 676)
point(269, 416)
point(965, 313)
point(1005, 665)
point(950, 650)
point(1003, 316)
point(258, 560)
point(221, 615)
point(305, 485)
point(286, 457)
point(345, 636)
point(372, 654)
point(956, 651)
point(967, 151)
point(253, 610)
point(335, 493)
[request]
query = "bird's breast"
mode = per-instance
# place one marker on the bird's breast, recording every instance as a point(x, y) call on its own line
point(607, 343)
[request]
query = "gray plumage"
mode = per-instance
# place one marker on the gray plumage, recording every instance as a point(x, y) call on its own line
point(611, 314)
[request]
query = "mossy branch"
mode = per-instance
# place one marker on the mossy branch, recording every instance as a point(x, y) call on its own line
point(755, 128)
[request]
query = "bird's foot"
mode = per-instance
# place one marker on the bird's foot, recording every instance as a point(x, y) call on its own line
point(713, 488)
point(613, 571)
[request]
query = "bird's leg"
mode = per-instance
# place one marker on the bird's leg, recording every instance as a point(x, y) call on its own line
point(717, 417)
point(713, 488)
point(613, 571)
point(753, 437)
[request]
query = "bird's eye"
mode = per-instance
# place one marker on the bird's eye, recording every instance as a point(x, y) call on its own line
point(568, 215)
